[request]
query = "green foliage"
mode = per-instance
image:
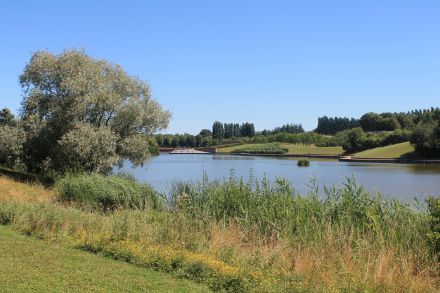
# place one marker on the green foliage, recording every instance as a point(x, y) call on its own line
point(426, 137)
point(86, 148)
point(379, 122)
point(71, 94)
point(393, 121)
point(356, 140)
point(303, 163)
point(287, 128)
point(218, 132)
point(205, 132)
point(434, 234)
point(11, 145)
point(270, 148)
point(108, 192)
point(307, 138)
point(277, 211)
point(7, 118)
point(330, 125)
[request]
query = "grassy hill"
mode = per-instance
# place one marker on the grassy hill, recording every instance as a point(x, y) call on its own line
point(30, 264)
point(292, 149)
point(390, 151)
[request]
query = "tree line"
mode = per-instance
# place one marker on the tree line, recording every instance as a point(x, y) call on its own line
point(286, 128)
point(330, 125)
point(183, 140)
point(227, 130)
point(392, 121)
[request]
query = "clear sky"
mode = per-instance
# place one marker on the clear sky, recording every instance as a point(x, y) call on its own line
point(267, 62)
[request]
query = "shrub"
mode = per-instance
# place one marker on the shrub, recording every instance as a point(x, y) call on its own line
point(108, 193)
point(303, 163)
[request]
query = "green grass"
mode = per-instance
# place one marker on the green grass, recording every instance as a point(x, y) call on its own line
point(256, 236)
point(29, 264)
point(387, 152)
point(107, 192)
point(291, 149)
point(268, 148)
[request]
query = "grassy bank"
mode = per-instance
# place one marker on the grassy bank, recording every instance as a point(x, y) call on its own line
point(29, 264)
point(252, 236)
point(387, 152)
point(269, 148)
point(291, 149)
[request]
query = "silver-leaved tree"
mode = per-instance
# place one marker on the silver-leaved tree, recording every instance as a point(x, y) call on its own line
point(80, 113)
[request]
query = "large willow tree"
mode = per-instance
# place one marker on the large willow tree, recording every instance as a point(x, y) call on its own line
point(80, 113)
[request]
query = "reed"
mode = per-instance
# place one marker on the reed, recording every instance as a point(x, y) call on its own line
point(253, 236)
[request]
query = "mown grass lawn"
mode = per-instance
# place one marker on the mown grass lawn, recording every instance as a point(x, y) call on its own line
point(292, 149)
point(32, 265)
point(390, 151)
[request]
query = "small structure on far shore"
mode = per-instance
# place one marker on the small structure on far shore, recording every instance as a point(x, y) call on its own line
point(188, 151)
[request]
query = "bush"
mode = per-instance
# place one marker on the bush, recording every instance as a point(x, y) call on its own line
point(303, 163)
point(108, 193)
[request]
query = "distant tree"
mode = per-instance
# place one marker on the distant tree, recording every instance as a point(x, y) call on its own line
point(206, 141)
point(218, 131)
point(251, 130)
point(229, 130)
point(72, 94)
point(166, 141)
point(236, 131)
point(175, 142)
point(191, 141)
point(182, 141)
point(199, 140)
point(389, 123)
point(330, 125)
point(370, 122)
point(205, 132)
point(355, 140)
point(6, 117)
point(426, 136)
point(247, 129)
point(160, 139)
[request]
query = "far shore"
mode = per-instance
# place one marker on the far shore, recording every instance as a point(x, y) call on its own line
point(341, 158)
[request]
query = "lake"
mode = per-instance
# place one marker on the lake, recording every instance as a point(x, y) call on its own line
point(404, 181)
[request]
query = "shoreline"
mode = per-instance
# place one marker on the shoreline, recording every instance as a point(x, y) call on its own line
point(340, 158)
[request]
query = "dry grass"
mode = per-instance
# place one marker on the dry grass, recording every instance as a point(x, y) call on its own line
point(331, 267)
point(334, 264)
point(22, 192)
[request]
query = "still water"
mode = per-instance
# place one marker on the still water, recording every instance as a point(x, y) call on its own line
point(404, 181)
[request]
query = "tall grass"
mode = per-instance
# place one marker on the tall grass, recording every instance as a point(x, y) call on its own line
point(277, 211)
point(255, 235)
point(108, 192)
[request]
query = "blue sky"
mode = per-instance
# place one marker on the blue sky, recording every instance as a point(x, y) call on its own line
point(267, 62)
